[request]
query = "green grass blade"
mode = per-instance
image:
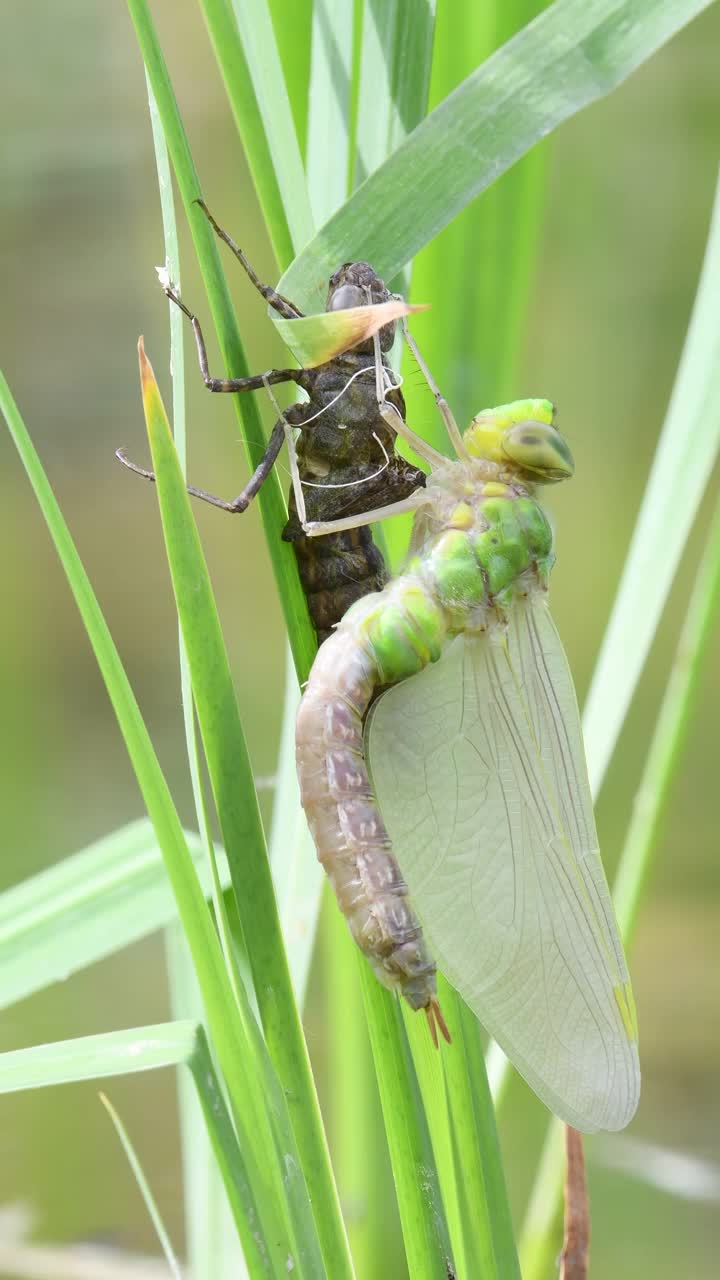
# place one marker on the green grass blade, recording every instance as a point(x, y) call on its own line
point(87, 907)
point(244, 42)
point(250, 1085)
point(236, 803)
point(474, 1126)
point(232, 1163)
point(485, 256)
point(429, 1066)
point(206, 1208)
point(144, 1188)
point(354, 1120)
point(538, 1239)
point(477, 1180)
point(293, 31)
point(571, 55)
point(666, 747)
point(329, 110)
point(177, 367)
point(113, 1053)
point(297, 874)
point(427, 1245)
point(395, 59)
point(674, 491)
point(670, 732)
point(270, 499)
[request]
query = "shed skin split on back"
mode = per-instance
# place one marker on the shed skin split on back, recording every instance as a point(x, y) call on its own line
point(454, 584)
point(345, 452)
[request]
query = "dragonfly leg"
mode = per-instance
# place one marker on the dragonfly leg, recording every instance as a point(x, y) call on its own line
point(253, 382)
point(246, 495)
point(444, 409)
point(316, 528)
point(272, 297)
point(395, 420)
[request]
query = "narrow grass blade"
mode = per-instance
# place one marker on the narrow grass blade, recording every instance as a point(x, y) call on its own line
point(213, 1243)
point(236, 1171)
point(571, 55)
point(172, 264)
point(425, 1234)
point(475, 1101)
point(428, 1064)
point(272, 505)
point(244, 42)
point(292, 25)
point(329, 109)
point(396, 54)
point(144, 1188)
point(86, 907)
point(297, 874)
point(683, 463)
point(486, 255)
point(670, 733)
point(206, 1207)
point(470, 1170)
point(354, 1120)
point(669, 737)
point(539, 1245)
point(114, 1053)
point(236, 803)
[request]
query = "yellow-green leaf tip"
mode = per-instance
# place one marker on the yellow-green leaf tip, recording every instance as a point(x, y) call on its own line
point(152, 401)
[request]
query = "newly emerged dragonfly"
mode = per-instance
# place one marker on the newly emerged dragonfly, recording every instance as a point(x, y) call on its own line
point(465, 787)
point(345, 461)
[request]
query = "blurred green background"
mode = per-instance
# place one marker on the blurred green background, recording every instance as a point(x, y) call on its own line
point(630, 191)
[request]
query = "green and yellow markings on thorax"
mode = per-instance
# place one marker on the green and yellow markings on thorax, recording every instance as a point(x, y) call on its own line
point(491, 539)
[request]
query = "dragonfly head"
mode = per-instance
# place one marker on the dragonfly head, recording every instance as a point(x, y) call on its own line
point(357, 284)
point(522, 435)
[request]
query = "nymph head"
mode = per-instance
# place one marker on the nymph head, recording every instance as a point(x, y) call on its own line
point(357, 284)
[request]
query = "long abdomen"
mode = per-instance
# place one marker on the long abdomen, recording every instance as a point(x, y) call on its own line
point(349, 833)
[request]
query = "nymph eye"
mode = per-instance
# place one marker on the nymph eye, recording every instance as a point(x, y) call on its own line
point(348, 295)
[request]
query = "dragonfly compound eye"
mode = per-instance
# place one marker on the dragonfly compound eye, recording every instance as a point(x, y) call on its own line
point(540, 450)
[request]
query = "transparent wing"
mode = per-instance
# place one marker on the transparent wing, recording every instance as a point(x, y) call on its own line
point(479, 770)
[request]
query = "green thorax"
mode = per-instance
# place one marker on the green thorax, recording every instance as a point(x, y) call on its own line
point(481, 540)
point(490, 539)
point(477, 544)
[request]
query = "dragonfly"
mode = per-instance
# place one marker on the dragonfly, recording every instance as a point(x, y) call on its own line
point(345, 460)
point(453, 812)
